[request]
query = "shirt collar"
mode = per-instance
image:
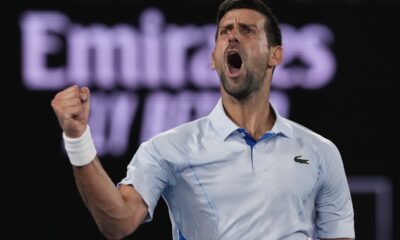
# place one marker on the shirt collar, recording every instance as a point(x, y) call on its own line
point(281, 125)
point(224, 126)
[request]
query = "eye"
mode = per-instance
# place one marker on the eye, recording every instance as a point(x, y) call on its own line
point(247, 29)
point(223, 31)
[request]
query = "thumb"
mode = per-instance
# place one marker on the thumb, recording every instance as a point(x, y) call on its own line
point(84, 95)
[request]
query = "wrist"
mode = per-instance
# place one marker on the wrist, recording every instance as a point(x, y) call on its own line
point(75, 132)
point(81, 150)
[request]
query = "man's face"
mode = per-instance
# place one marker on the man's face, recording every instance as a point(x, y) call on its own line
point(241, 52)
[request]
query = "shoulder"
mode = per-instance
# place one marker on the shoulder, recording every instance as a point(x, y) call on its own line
point(181, 139)
point(315, 141)
point(183, 132)
point(324, 152)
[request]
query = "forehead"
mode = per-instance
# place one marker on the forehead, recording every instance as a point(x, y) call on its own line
point(243, 15)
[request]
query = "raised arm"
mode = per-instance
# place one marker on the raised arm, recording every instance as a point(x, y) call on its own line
point(117, 211)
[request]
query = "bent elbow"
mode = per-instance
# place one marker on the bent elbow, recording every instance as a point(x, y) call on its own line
point(115, 233)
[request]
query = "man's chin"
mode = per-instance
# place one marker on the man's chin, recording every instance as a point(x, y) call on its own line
point(235, 91)
point(235, 73)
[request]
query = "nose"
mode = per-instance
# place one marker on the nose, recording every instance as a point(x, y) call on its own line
point(233, 35)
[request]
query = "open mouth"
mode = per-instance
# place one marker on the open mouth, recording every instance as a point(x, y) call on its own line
point(234, 62)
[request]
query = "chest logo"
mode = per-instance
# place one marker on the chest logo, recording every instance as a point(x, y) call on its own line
point(300, 160)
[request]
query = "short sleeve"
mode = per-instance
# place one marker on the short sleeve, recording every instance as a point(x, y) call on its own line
point(149, 176)
point(334, 208)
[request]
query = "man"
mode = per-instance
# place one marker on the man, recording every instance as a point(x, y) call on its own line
point(242, 172)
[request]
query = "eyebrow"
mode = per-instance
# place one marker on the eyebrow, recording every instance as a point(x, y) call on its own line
point(230, 25)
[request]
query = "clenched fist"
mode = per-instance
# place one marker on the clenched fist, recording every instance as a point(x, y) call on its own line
point(71, 107)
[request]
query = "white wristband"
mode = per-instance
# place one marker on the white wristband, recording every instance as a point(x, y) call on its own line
point(81, 151)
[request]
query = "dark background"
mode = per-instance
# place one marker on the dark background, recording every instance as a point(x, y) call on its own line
point(357, 111)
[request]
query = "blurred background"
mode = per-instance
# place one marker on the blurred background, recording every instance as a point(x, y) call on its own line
point(147, 64)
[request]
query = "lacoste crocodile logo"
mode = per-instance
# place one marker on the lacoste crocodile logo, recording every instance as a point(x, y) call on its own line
point(300, 160)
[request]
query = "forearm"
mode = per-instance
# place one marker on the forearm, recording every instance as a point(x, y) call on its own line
point(117, 212)
point(112, 214)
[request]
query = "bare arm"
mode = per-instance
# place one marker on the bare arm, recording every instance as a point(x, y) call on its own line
point(117, 212)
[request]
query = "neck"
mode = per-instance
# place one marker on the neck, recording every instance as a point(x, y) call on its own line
point(254, 114)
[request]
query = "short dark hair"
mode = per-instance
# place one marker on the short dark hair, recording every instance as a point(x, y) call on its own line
point(271, 27)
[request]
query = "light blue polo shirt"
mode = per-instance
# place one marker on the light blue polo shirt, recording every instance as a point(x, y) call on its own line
point(219, 184)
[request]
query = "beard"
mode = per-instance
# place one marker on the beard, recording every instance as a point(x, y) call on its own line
point(244, 87)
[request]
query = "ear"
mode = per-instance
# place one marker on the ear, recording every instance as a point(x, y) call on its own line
point(212, 61)
point(275, 56)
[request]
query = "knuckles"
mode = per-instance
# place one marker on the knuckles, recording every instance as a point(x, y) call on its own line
point(67, 103)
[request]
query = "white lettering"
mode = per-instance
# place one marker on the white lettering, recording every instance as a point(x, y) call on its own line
point(163, 110)
point(200, 65)
point(308, 61)
point(281, 102)
point(93, 50)
point(41, 37)
point(111, 121)
point(151, 22)
point(156, 55)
